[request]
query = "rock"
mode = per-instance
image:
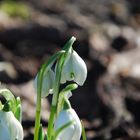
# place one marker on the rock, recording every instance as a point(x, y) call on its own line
point(114, 111)
point(99, 42)
point(111, 30)
point(8, 22)
point(99, 47)
point(7, 71)
point(116, 8)
point(49, 21)
point(126, 64)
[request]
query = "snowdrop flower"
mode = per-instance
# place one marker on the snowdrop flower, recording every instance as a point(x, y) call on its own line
point(74, 68)
point(47, 84)
point(73, 131)
point(10, 127)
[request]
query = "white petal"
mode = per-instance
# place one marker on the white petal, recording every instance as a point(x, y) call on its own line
point(79, 68)
point(17, 132)
point(71, 132)
point(67, 69)
point(48, 82)
point(4, 132)
point(64, 118)
point(78, 127)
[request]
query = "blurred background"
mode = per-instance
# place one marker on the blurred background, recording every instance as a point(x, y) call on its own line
point(108, 39)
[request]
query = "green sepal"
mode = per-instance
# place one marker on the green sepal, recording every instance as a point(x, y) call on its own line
point(69, 43)
point(68, 88)
point(7, 94)
point(10, 104)
point(64, 96)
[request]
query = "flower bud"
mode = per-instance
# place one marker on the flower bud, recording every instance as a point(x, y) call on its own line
point(47, 84)
point(74, 68)
point(10, 127)
point(74, 130)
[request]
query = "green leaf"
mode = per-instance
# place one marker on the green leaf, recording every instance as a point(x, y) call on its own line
point(40, 133)
point(83, 132)
point(45, 137)
point(45, 67)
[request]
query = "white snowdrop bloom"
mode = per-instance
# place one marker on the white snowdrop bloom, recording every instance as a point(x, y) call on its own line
point(73, 131)
point(47, 84)
point(10, 127)
point(74, 68)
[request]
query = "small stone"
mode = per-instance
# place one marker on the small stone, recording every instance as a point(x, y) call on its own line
point(127, 64)
point(9, 69)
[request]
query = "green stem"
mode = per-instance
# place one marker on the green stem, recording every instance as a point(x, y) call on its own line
point(38, 104)
point(83, 132)
point(56, 88)
point(51, 120)
point(55, 98)
point(37, 118)
point(44, 67)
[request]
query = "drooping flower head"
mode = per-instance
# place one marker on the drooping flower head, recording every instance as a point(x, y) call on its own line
point(10, 117)
point(73, 131)
point(74, 68)
point(10, 127)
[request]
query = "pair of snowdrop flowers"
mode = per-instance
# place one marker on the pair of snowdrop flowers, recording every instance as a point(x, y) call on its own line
point(73, 69)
